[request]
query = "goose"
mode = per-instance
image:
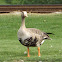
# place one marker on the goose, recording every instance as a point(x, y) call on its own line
point(30, 37)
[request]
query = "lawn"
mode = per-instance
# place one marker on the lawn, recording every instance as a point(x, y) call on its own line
point(12, 51)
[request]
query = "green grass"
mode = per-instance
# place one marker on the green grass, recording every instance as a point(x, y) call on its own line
point(2, 2)
point(10, 48)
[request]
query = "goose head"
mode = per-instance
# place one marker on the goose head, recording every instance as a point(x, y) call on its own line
point(24, 14)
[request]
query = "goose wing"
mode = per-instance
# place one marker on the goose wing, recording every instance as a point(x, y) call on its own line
point(36, 31)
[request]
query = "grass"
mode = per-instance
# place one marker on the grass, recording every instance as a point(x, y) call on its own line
point(10, 48)
point(2, 2)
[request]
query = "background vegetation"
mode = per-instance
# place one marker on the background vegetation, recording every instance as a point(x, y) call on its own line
point(21, 2)
point(12, 51)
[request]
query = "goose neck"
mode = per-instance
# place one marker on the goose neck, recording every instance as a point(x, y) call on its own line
point(23, 22)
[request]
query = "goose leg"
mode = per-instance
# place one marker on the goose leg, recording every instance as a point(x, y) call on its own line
point(39, 51)
point(28, 52)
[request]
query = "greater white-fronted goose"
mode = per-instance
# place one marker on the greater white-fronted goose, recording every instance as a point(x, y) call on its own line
point(30, 37)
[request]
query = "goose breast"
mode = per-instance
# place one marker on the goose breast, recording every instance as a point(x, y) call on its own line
point(23, 34)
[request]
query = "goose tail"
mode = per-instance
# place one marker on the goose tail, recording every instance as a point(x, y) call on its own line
point(50, 33)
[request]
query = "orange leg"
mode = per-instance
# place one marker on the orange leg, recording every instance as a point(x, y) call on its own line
point(39, 51)
point(28, 52)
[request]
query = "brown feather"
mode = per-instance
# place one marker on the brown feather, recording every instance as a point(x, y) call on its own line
point(36, 31)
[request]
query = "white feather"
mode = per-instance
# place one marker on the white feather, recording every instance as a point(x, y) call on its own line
point(25, 13)
point(23, 34)
point(42, 42)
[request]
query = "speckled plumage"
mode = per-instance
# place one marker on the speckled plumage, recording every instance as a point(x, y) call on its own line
point(30, 36)
point(29, 42)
